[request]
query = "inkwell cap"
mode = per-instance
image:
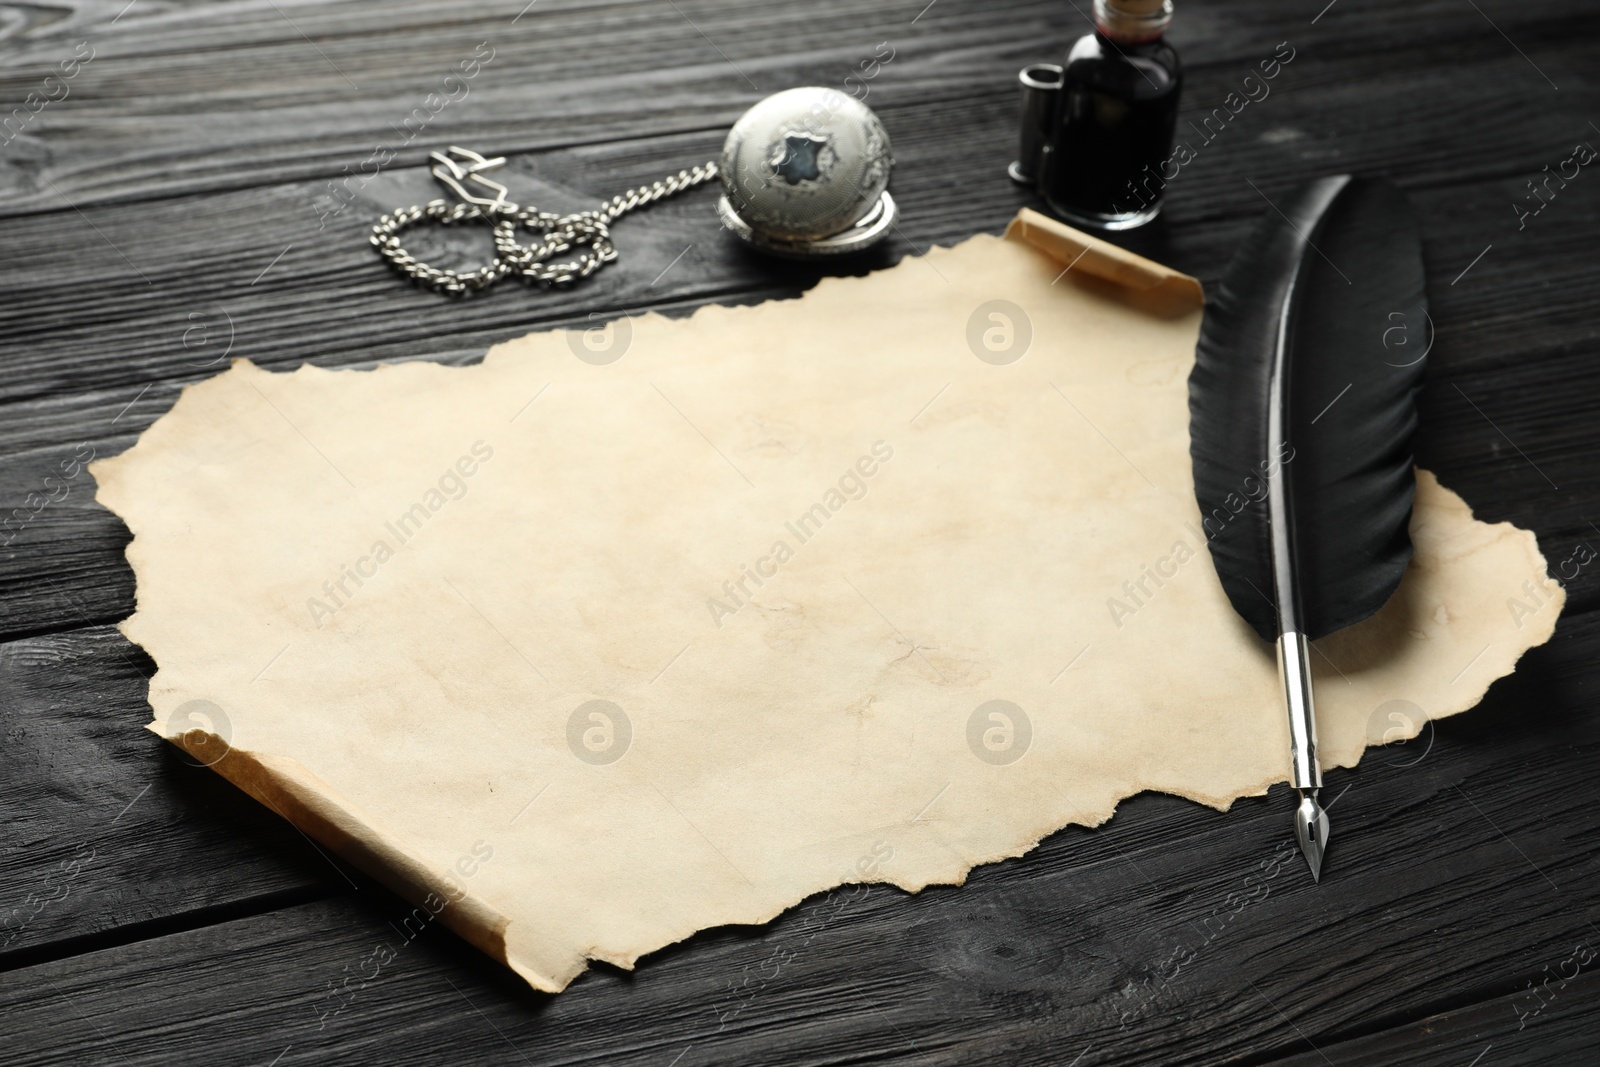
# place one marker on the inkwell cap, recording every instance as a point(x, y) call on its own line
point(1132, 21)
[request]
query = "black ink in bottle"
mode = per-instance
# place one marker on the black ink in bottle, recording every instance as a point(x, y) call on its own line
point(1118, 111)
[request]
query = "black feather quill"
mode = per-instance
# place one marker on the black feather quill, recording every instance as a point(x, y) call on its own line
point(1337, 274)
point(1302, 406)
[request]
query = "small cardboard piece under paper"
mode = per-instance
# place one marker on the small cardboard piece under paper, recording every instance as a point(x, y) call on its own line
point(400, 586)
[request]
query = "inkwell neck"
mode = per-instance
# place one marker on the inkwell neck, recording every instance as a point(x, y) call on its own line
point(1132, 21)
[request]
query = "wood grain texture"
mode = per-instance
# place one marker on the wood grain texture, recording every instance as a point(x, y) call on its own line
point(1543, 1023)
point(107, 827)
point(1173, 935)
point(172, 211)
point(200, 97)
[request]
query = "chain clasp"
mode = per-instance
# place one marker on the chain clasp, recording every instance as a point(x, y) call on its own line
point(465, 165)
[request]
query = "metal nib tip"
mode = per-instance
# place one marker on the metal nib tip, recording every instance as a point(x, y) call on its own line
point(1311, 827)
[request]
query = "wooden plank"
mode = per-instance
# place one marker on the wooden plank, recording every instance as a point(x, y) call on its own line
point(108, 828)
point(1173, 935)
point(1550, 1019)
point(157, 110)
point(88, 313)
point(246, 114)
point(90, 281)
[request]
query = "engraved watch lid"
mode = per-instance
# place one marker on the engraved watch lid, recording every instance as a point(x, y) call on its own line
point(807, 166)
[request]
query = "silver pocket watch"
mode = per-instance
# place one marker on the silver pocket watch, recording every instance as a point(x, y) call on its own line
point(805, 175)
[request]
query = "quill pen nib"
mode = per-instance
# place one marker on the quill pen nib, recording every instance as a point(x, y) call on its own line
point(1311, 827)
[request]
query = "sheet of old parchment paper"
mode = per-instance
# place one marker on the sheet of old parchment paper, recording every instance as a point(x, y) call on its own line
point(624, 634)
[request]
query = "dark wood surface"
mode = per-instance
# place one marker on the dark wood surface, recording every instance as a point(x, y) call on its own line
point(164, 214)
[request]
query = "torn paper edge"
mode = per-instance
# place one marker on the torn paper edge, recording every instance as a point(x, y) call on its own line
point(328, 818)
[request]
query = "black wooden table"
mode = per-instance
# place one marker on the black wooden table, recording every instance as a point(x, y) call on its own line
point(188, 182)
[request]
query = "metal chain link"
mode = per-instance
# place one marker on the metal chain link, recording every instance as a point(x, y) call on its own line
point(558, 234)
